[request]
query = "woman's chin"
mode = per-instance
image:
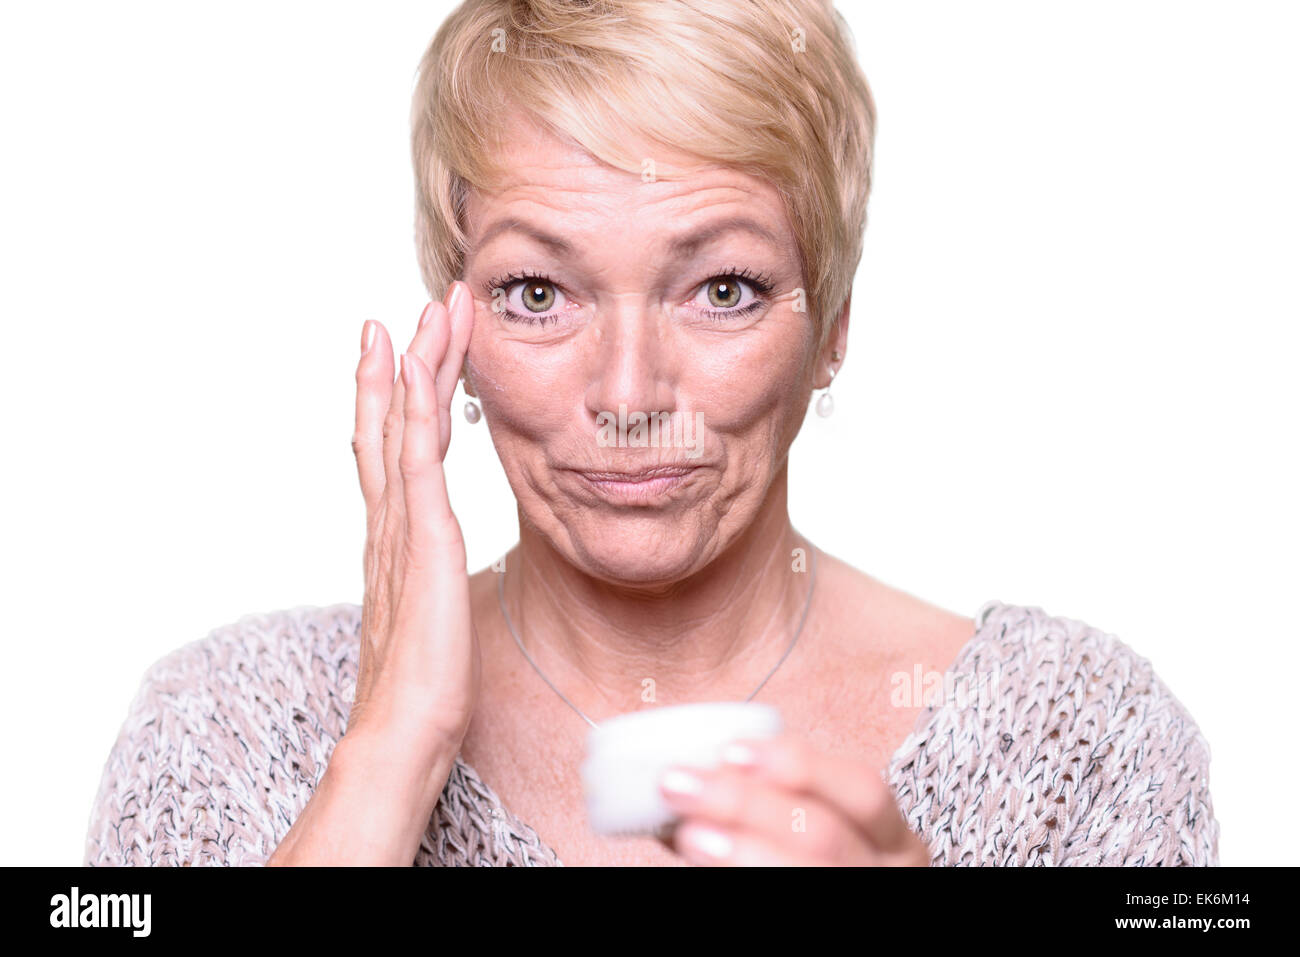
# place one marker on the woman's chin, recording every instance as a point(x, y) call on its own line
point(638, 556)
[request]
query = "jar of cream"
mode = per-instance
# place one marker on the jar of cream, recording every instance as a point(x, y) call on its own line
point(628, 755)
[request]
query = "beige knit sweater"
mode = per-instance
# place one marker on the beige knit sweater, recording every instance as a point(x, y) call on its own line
point(1075, 754)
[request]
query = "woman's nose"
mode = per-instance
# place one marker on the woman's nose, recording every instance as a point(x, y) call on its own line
point(632, 362)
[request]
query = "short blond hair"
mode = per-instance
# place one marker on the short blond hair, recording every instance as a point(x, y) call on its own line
point(770, 87)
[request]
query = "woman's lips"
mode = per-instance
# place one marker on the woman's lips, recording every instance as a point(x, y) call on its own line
point(640, 487)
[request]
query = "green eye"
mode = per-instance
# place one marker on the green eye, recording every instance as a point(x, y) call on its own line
point(733, 294)
point(539, 296)
point(724, 292)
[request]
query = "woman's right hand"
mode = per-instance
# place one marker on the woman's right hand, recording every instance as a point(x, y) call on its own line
point(419, 670)
point(419, 667)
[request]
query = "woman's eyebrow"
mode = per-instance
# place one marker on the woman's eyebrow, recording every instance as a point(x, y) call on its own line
point(682, 247)
point(557, 245)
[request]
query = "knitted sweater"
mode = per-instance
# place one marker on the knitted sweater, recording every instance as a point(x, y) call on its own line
point(1077, 754)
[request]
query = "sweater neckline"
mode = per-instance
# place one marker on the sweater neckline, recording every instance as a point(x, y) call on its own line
point(925, 719)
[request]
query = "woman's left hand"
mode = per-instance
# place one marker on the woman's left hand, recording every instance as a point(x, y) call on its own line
point(780, 802)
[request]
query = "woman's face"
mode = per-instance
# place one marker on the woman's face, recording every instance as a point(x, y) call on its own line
point(601, 294)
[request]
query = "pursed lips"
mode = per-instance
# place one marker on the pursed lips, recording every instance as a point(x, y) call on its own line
point(643, 486)
point(636, 475)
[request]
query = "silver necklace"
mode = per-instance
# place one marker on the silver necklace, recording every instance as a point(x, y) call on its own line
point(501, 600)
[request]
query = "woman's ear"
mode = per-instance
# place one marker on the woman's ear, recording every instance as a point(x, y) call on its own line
point(836, 347)
point(464, 378)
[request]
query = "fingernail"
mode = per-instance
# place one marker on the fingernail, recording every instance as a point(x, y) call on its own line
point(707, 841)
point(677, 781)
point(740, 754)
point(424, 316)
point(457, 292)
point(367, 336)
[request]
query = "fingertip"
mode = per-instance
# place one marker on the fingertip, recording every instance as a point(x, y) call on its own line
point(740, 754)
point(432, 333)
point(412, 367)
point(414, 370)
point(460, 306)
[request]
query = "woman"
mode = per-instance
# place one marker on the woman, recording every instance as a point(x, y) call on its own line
point(645, 218)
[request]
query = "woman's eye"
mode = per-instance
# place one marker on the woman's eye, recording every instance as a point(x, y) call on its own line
point(538, 296)
point(726, 294)
point(526, 298)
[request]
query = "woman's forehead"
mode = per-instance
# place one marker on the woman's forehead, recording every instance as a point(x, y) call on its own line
point(551, 189)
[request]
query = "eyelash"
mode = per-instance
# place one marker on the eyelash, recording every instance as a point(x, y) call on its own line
point(762, 283)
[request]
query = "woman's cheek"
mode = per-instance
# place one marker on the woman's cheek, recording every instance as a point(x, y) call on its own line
point(740, 392)
point(525, 391)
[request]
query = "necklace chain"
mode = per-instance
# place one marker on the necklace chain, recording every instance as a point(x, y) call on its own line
point(501, 600)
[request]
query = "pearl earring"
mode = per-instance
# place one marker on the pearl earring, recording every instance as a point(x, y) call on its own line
point(472, 412)
point(825, 404)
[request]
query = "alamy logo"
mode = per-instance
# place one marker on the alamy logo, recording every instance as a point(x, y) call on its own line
point(639, 430)
point(101, 910)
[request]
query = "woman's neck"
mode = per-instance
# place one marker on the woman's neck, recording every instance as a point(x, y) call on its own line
point(713, 636)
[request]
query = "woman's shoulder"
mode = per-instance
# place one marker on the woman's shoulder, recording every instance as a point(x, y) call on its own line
point(1065, 746)
point(287, 668)
point(1057, 676)
point(1041, 656)
point(886, 622)
point(225, 740)
point(306, 654)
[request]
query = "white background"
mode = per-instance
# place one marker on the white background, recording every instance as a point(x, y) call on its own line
point(1070, 382)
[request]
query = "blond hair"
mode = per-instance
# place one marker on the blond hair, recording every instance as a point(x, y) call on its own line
point(769, 87)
